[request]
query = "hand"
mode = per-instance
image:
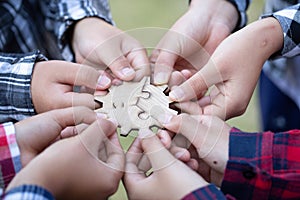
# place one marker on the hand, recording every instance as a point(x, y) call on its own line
point(232, 70)
point(193, 38)
point(169, 174)
point(99, 44)
point(36, 133)
point(209, 135)
point(53, 81)
point(71, 169)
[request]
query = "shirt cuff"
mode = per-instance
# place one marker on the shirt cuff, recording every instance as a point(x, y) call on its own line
point(207, 192)
point(290, 23)
point(10, 154)
point(28, 192)
point(241, 6)
point(77, 11)
point(15, 75)
point(250, 160)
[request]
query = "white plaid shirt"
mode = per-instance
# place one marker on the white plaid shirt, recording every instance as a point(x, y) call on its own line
point(32, 28)
point(283, 69)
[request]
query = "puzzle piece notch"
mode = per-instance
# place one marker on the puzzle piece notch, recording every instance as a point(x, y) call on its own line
point(132, 105)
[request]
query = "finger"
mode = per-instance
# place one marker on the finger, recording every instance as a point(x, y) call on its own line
point(180, 153)
point(73, 130)
point(115, 154)
point(133, 173)
point(164, 67)
point(158, 155)
point(122, 68)
point(73, 99)
point(164, 137)
point(182, 124)
point(197, 84)
point(96, 134)
point(139, 61)
point(189, 107)
point(176, 79)
point(81, 75)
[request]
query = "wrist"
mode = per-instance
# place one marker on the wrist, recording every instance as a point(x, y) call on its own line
point(224, 12)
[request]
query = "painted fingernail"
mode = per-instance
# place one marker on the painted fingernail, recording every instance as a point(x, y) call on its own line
point(127, 71)
point(164, 118)
point(161, 78)
point(103, 81)
point(176, 94)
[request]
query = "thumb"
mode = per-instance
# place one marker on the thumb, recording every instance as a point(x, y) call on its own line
point(197, 84)
point(163, 67)
point(122, 68)
point(96, 134)
point(158, 155)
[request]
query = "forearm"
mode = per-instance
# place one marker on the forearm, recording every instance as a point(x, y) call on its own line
point(289, 22)
point(15, 80)
point(263, 165)
point(61, 16)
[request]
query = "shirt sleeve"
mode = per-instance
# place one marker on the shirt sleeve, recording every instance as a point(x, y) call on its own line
point(263, 165)
point(205, 193)
point(289, 19)
point(10, 162)
point(241, 6)
point(15, 79)
point(28, 192)
point(61, 15)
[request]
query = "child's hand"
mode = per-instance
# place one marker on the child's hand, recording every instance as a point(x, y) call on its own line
point(53, 81)
point(36, 133)
point(193, 37)
point(99, 44)
point(233, 69)
point(209, 135)
point(87, 166)
point(171, 179)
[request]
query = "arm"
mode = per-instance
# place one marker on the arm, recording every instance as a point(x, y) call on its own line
point(289, 22)
point(61, 16)
point(263, 165)
point(246, 165)
point(15, 79)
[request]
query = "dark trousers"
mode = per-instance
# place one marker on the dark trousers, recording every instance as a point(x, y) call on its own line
point(278, 112)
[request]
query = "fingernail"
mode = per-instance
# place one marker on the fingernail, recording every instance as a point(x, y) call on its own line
point(114, 121)
point(145, 133)
point(101, 115)
point(178, 155)
point(161, 78)
point(103, 81)
point(127, 71)
point(176, 94)
point(164, 118)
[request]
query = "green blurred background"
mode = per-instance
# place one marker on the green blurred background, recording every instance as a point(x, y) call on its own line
point(133, 14)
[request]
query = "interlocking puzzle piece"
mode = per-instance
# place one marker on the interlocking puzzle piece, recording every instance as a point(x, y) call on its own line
point(133, 105)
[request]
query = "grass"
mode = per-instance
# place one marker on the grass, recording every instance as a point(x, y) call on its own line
point(131, 15)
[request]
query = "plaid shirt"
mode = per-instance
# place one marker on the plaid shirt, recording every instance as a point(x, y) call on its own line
point(39, 27)
point(28, 192)
point(10, 155)
point(284, 71)
point(260, 166)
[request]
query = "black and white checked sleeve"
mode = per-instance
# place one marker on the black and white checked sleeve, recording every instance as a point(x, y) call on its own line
point(289, 19)
point(15, 80)
point(241, 6)
point(61, 15)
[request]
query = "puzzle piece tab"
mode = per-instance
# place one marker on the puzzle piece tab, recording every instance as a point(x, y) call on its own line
point(133, 105)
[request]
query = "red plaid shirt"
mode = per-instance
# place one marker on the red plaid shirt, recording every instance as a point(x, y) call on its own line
point(9, 154)
point(261, 166)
